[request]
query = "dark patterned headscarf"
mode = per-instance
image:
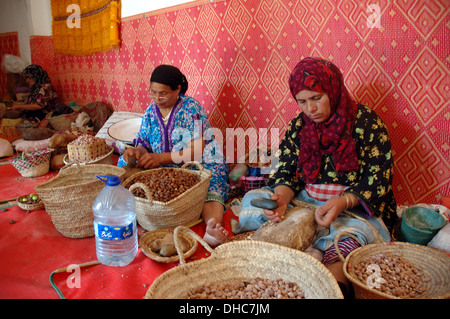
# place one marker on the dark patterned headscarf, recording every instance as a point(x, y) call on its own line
point(171, 76)
point(40, 77)
point(333, 136)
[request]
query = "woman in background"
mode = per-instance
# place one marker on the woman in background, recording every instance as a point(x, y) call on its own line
point(42, 99)
point(172, 131)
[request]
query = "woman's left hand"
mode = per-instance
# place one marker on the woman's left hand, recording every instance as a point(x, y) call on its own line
point(330, 211)
point(149, 160)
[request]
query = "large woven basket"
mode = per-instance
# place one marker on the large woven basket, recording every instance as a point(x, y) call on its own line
point(69, 196)
point(433, 263)
point(32, 164)
point(182, 210)
point(245, 260)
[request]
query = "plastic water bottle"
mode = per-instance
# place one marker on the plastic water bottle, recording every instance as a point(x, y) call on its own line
point(115, 223)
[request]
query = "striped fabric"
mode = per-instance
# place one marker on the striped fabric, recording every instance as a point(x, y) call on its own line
point(324, 192)
point(346, 246)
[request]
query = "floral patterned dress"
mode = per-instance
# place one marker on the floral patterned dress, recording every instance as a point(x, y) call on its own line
point(188, 121)
point(371, 183)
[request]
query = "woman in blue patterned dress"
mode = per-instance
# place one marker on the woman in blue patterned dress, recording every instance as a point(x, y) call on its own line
point(175, 129)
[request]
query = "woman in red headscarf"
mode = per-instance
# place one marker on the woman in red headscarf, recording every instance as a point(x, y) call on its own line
point(337, 155)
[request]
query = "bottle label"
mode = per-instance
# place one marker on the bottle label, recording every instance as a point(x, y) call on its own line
point(113, 232)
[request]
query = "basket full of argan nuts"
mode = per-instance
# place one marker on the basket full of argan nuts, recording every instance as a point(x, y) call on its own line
point(395, 270)
point(169, 197)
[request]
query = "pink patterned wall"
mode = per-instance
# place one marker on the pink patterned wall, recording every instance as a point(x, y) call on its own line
point(237, 56)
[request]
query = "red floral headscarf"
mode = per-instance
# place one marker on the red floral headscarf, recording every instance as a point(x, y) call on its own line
point(333, 136)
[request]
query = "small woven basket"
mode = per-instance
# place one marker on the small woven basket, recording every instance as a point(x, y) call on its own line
point(146, 240)
point(63, 121)
point(69, 196)
point(433, 264)
point(182, 210)
point(105, 159)
point(245, 260)
point(253, 182)
point(32, 164)
point(27, 124)
point(87, 148)
point(29, 207)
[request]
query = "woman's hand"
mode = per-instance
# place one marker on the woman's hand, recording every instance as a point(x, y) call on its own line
point(144, 159)
point(282, 196)
point(276, 216)
point(149, 160)
point(331, 210)
point(132, 151)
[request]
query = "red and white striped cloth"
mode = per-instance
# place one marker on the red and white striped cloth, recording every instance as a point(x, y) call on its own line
point(324, 192)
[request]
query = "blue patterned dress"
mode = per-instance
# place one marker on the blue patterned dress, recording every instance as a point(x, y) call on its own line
point(188, 121)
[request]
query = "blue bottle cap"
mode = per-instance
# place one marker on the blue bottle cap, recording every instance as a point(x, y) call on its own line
point(110, 180)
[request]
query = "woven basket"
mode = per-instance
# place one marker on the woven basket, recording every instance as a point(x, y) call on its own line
point(105, 159)
point(32, 164)
point(9, 127)
point(146, 240)
point(253, 182)
point(27, 124)
point(63, 121)
point(91, 148)
point(182, 210)
point(245, 260)
point(433, 263)
point(69, 196)
point(29, 207)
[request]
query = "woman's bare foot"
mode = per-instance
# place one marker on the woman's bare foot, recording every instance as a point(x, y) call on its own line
point(215, 233)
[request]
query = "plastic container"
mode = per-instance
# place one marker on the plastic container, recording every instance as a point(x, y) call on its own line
point(115, 223)
point(419, 225)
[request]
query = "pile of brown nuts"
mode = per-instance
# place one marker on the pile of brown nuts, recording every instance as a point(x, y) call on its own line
point(392, 275)
point(164, 184)
point(257, 288)
point(85, 139)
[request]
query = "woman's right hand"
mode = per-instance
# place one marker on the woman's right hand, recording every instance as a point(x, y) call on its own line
point(276, 215)
point(130, 152)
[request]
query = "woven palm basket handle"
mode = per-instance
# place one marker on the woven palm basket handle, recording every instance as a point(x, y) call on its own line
point(26, 154)
point(176, 237)
point(146, 190)
point(378, 238)
point(77, 165)
point(336, 241)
